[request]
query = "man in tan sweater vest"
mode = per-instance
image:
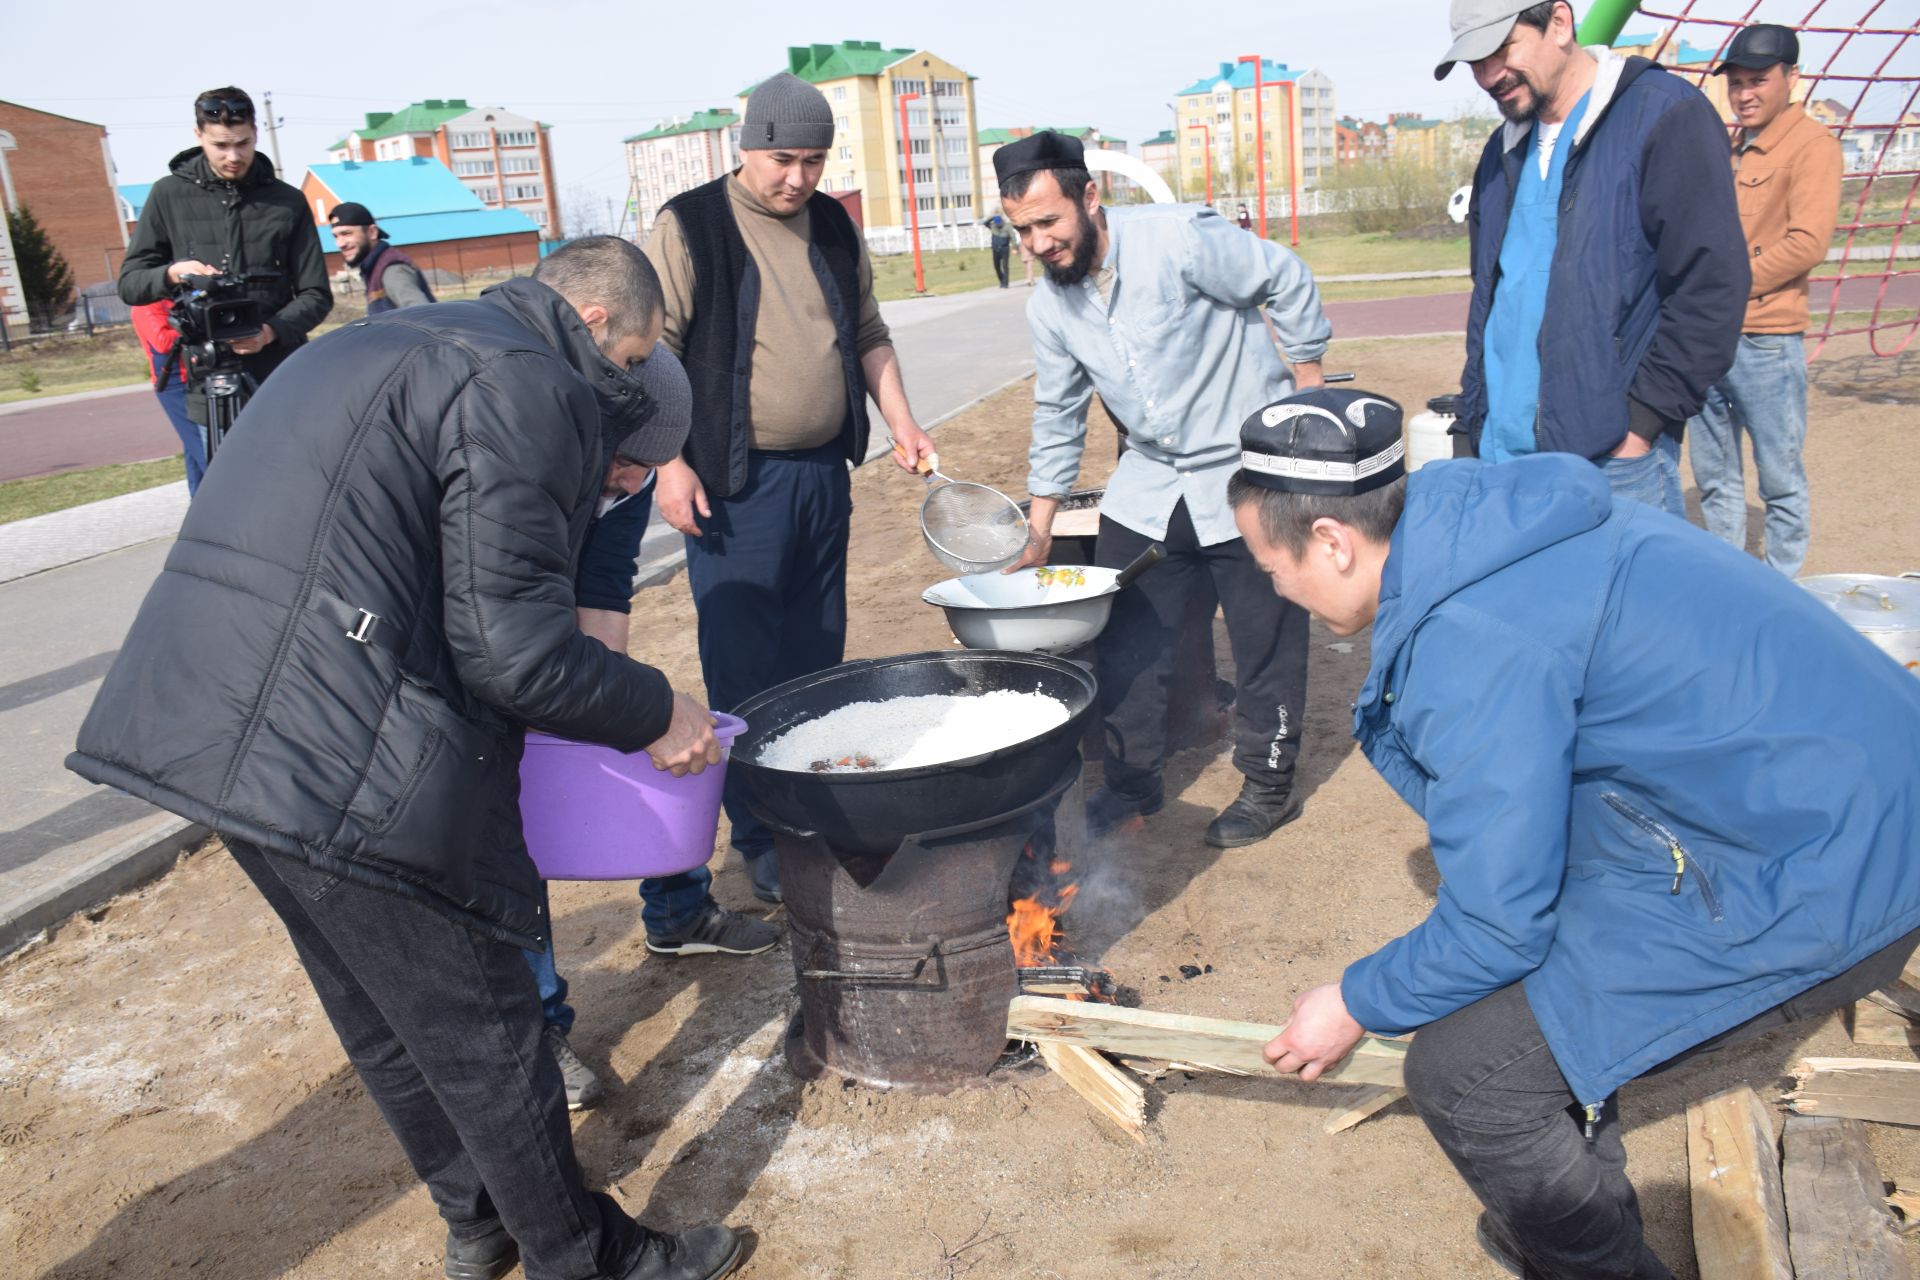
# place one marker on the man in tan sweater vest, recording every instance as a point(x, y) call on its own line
point(1786, 173)
point(770, 306)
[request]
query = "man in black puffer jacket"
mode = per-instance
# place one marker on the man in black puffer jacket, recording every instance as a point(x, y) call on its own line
point(220, 208)
point(334, 671)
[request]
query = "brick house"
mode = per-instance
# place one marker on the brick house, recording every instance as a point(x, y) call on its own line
point(503, 158)
point(62, 169)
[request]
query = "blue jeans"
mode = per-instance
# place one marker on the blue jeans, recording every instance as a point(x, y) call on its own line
point(1652, 478)
point(1764, 395)
point(172, 395)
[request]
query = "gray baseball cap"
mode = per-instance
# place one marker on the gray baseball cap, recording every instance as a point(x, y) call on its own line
point(1479, 28)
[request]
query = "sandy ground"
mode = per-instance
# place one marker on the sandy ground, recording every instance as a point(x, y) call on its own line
point(172, 1101)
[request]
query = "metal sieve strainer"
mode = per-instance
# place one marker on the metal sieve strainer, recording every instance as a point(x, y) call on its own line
point(970, 528)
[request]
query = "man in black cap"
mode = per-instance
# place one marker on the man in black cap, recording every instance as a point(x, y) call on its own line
point(1163, 310)
point(392, 280)
point(1786, 169)
point(1670, 796)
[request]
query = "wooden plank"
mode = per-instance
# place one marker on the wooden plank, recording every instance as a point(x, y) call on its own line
point(1857, 1089)
point(1872, 1022)
point(1838, 1225)
point(1108, 1090)
point(1174, 1037)
point(1906, 1207)
point(1733, 1172)
point(1364, 1102)
point(1900, 995)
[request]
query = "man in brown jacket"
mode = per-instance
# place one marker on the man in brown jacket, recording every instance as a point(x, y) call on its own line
point(1786, 172)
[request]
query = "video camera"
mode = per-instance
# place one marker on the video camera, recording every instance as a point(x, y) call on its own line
point(211, 313)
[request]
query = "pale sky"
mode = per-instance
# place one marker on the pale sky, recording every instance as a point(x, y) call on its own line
point(598, 72)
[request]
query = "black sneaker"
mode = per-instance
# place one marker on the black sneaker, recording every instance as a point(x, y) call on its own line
point(583, 1087)
point(1108, 810)
point(1256, 814)
point(704, 1253)
point(1491, 1235)
point(717, 930)
point(487, 1258)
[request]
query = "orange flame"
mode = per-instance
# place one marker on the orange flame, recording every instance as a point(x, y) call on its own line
point(1035, 928)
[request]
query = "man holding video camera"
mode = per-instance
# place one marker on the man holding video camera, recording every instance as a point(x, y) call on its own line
point(222, 212)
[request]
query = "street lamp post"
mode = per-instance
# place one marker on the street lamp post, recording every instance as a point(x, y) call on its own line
point(1259, 141)
point(1207, 141)
point(913, 205)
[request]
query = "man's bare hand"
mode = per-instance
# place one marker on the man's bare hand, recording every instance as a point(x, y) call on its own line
point(1633, 447)
point(1039, 534)
point(1308, 373)
point(189, 267)
point(910, 445)
point(248, 346)
point(680, 495)
point(1318, 1036)
point(688, 745)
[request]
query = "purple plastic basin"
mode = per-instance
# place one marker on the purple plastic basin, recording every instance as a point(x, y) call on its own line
point(593, 813)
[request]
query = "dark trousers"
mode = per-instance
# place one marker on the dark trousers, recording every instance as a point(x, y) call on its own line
point(1134, 655)
point(1492, 1095)
point(1001, 250)
point(444, 1028)
point(769, 580)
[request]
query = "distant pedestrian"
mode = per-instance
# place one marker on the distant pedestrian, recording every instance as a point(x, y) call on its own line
point(392, 280)
point(1608, 270)
point(1001, 238)
point(1246, 219)
point(158, 338)
point(1786, 171)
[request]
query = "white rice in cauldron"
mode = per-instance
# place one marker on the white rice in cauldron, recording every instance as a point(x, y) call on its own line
point(906, 733)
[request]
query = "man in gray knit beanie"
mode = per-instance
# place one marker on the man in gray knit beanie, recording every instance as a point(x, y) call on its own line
point(786, 113)
point(761, 489)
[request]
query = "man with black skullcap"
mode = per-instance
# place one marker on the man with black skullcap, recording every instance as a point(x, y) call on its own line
point(392, 280)
point(770, 304)
point(1162, 309)
point(1670, 795)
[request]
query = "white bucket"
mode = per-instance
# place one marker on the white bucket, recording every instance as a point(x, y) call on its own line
point(1429, 435)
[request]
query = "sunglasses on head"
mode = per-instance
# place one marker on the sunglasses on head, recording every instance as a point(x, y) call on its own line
point(216, 107)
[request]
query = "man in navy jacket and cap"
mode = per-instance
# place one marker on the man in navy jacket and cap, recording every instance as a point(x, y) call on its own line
point(1609, 269)
point(1671, 796)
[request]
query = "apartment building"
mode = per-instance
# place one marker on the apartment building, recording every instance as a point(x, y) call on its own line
point(1358, 140)
point(1296, 118)
point(864, 83)
point(678, 155)
point(1437, 144)
point(504, 158)
point(1161, 153)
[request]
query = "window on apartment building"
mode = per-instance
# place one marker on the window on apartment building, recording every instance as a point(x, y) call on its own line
point(949, 88)
point(909, 86)
point(518, 138)
point(525, 191)
point(1193, 162)
point(963, 201)
point(469, 139)
point(539, 216)
point(846, 153)
point(924, 203)
point(487, 195)
point(520, 164)
point(839, 93)
point(840, 122)
point(921, 146)
point(473, 168)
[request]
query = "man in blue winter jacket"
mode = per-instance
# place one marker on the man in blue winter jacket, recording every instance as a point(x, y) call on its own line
point(1610, 273)
point(1671, 796)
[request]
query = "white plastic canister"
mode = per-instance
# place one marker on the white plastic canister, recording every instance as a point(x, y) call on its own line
point(1429, 437)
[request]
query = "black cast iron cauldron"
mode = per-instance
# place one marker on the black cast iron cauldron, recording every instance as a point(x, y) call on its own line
point(872, 812)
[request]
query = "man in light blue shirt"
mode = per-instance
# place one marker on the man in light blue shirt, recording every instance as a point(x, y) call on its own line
point(1164, 310)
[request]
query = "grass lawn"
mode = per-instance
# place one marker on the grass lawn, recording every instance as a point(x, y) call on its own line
point(1352, 254)
point(41, 494)
point(57, 366)
point(951, 271)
